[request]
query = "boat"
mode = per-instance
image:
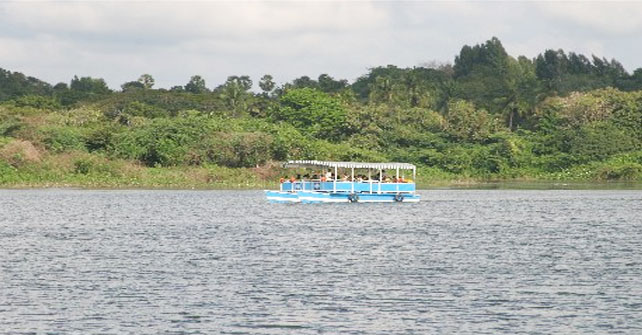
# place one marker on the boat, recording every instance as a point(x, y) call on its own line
point(326, 186)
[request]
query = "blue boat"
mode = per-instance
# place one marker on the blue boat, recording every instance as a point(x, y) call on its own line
point(326, 185)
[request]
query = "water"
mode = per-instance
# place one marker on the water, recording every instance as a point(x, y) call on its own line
point(226, 262)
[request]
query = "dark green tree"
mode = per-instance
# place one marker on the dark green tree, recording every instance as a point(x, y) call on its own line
point(267, 84)
point(196, 85)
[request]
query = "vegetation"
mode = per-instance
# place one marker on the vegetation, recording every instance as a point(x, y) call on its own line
point(489, 116)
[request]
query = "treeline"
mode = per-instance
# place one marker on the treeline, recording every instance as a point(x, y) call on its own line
point(486, 116)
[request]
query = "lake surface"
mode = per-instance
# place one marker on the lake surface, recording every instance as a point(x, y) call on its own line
point(226, 262)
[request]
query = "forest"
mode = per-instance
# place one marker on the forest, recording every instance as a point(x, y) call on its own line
point(487, 116)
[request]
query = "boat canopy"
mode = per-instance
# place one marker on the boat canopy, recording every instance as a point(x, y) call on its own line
point(348, 165)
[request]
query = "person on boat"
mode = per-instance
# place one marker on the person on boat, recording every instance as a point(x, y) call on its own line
point(292, 179)
point(328, 175)
point(381, 176)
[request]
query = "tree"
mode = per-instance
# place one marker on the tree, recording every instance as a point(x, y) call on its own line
point(15, 84)
point(132, 85)
point(304, 81)
point(482, 74)
point(466, 123)
point(235, 92)
point(330, 85)
point(89, 85)
point(313, 112)
point(267, 84)
point(147, 81)
point(196, 85)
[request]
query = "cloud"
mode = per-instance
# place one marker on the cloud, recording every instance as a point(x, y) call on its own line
point(174, 40)
point(192, 19)
point(609, 17)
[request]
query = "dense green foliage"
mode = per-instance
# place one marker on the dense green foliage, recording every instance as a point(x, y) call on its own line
point(488, 116)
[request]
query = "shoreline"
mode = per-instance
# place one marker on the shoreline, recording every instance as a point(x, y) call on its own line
point(442, 185)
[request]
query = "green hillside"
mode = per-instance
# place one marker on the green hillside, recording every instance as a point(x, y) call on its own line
point(488, 116)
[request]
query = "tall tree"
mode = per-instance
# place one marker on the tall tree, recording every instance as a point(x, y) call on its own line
point(235, 93)
point(196, 85)
point(147, 80)
point(267, 84)
point(482, 73)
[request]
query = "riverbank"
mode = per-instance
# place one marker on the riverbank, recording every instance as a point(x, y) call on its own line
point(109, 174)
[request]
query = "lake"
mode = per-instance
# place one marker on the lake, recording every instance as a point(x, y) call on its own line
point(227, 262)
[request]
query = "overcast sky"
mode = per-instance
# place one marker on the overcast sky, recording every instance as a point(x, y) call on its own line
point(119, 41)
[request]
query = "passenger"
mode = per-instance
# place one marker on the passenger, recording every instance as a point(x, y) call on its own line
point(345, 177)
point(328, 175)
point(292, 179)
point(282, 180)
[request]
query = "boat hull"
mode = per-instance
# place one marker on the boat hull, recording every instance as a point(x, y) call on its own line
point(339, 197)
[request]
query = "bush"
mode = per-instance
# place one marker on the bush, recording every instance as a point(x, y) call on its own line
point(163, 142)
point(627, 171)
point(9, 125)
point(101, 138)
point(312, 112)
point(61, 139)
point(597, 141)
point(466, 123)
point(18, 153)
point(238, 149)
point(37, 101)
point(82, 165)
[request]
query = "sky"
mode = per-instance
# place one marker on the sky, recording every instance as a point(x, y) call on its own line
point(172, 40)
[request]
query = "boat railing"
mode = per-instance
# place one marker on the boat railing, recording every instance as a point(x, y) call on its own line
point(367, 186)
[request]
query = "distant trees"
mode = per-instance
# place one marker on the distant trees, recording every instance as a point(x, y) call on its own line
point(324, 83)
point(235, 93)
point(147, 80)
point(132, 85)
point(267, 84)
point(89, 85)
point(312, 112)
point(15, 84)
point(487, 114)
point(196, 85)
point(561, 74)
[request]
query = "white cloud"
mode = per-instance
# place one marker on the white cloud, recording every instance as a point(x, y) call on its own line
point(607, 16)
point(174, 40)
point(188, 19)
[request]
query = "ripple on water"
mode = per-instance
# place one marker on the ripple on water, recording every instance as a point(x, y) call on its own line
point(226, 262)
